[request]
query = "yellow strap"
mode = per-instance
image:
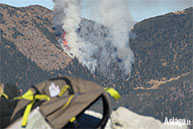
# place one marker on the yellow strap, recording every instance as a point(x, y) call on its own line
point(73, 119)
point(41, 97)
point(113, 93)
point(28, 95)
point(3, 94)
point(68, 102)
point(26, 113)
point(29, 106)
point(64, 90)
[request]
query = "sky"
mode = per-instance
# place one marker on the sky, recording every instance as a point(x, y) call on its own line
point(139, 9)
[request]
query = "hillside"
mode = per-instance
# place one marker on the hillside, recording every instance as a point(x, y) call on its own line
point(161, 80)
point(165, 47)
point(162, 73)
point(28, 38)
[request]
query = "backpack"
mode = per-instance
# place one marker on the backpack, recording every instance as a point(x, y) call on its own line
point(63, 100)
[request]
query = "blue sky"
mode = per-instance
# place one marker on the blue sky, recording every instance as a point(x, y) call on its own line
point(22, 3)
point(139, 9)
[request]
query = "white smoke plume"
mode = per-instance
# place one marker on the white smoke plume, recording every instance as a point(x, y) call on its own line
point(103, 50)
point(115, 15)
point(67, 18)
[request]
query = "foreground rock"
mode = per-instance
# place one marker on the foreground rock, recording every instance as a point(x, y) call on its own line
point(123, 118)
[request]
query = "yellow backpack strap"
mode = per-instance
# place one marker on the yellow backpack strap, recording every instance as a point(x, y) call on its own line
point(113, 93)
point(42, 97)
point(26, 113)
point(66, 87)
point(68, 102)
point(3, 94)
point(29, 95)
point(72, 119)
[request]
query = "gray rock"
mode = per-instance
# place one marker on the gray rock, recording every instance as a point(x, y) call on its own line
point(123, 118)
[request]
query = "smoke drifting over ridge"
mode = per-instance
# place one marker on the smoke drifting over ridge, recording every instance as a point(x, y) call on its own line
point(104, 50)
point(116, 17)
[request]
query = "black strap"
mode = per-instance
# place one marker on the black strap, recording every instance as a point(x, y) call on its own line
point(106, 111)
point(36, 89)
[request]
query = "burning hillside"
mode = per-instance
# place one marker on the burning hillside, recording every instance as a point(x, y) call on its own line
point(104, 47)
point(28, 56)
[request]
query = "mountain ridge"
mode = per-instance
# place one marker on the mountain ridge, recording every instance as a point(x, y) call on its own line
point(161, 45)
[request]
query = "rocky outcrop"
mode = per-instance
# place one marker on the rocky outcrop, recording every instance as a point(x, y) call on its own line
point(122, 118)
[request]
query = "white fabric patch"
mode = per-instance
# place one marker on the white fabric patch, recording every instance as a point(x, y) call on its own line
point(54, 90)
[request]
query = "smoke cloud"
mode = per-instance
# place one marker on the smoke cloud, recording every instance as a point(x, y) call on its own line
point(115, 16)
point(67, 18)
point(105, 49)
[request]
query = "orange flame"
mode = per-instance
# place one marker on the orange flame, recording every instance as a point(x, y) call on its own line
point(65, 42)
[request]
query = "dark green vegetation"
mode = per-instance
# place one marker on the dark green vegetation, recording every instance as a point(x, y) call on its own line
point(1, 19)
point(163, 47)
point(16, 68)
point(171, 99)
point(163, 50)
point(7, 105)
point(16, 33)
